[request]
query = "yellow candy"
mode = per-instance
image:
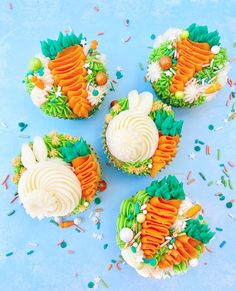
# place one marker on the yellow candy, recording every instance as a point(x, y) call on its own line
point(193, 211)
point(213, 88)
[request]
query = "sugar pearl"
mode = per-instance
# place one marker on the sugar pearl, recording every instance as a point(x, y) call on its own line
point(126, 234)
point(77, 220)
point(193, 262)
point(141, 217)
point(58, 219)
point(215, 49)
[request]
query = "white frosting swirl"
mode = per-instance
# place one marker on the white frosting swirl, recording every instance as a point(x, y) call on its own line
point(132, 137)
point(49, 188)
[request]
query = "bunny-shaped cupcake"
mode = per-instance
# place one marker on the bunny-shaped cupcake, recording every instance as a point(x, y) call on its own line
point(141, 134)
point(57, 175)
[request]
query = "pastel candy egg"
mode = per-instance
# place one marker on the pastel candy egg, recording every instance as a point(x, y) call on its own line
point(141, 217)
point(184, 34)
point(126, 234)
point(35, 64)
point(215, 49)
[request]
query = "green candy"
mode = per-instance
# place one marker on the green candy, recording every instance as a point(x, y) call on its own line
point(35, 64)
point(179, 94)
point(184, 34)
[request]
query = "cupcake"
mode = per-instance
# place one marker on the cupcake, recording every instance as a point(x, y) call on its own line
point(141, 135)
point(57, 175)
point(160, 231)
point(187, 67)
point(68, 79)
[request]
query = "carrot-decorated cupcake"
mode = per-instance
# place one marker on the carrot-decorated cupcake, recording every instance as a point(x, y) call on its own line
point(69, 78)
point(141, 135)
point(160, 231)
point(188, 66)
point(57, 175)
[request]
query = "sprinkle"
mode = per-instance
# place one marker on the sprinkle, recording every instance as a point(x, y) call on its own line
point(109, 267)
point(30, 252)
point(219, 128)
point(76, 229)
point(59, 242)
point(104, 284)
point(229, 204)
point(80, 228)
point(54, 222)
point(202, 176)
point(96, 8)
point(141, 66)
point(97, 200)
point(189, 175)
point(126, 22)
point(9, 254)
point(153, 36)
point(22, 126)
point(208, 150)
point(210, 183)
point(91, 284)
point(226, 174)
point(63, 244)
point(208, 249)
point(197, 148)
point(11, 213)
point(201, 142)
point(99, 210)
point(230, 184)
point(191, 181)
point(100, 33)
point(231, 164)
point(222, 244)
point(3, 124)
point(125, 40)
point(5, 180)
point(218, 154)
point(23, 136)
point(232, 216)
point(105, 246)
point(32, 244)
point(118, 265)
point(13, 199)
point(219, 229)
point(70, 252)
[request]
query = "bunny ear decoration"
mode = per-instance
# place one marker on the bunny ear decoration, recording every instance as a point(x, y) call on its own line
point(27, 156)
point(39, 149)
point(141, 103)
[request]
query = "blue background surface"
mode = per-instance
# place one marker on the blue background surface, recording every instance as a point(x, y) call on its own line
point(22, 25)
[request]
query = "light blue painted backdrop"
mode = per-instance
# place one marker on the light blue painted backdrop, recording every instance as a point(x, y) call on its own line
point(50, 267)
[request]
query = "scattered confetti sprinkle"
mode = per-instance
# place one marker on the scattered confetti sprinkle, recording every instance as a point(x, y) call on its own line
point(33, 244)
point(14, 199)
point(63, 244)
point(54, 222)
point(191, 181)
point(231, 164)
point(9, 254)
point(105, 246)
point(126, 22)
point(91, 284)
point(141, 66)
point(222, 244)
point(153, 36)
point(202, 176)
point(3, 124)
point(70, 252)
point(22, 126)
point(229, 204)
point(218, 154)
point(125, 40)
point(191, 156)
point(219, 229)
point(11, 213)
point(97, 200)
point(30, 252)
point(100, 33)
point(197, 148)
point(210, 126)
point(96, 8)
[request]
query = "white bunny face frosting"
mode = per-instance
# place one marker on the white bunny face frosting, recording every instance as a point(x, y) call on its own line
point(48, 187)
point(132, 136)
